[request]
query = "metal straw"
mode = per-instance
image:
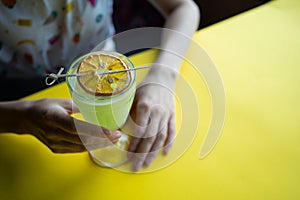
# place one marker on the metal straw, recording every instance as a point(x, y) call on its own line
point(53, 77)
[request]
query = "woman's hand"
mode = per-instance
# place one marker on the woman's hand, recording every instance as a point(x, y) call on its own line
point(154, 104)
point(49, 121)
point(153, 113)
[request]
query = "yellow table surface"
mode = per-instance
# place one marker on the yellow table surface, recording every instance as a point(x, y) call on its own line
point(256, 157)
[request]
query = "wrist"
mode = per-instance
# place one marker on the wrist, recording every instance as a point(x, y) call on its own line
point(162, 71)
point(162, 75)
point(166, 67)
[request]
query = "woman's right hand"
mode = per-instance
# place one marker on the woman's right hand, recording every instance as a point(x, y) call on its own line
point(49, 121)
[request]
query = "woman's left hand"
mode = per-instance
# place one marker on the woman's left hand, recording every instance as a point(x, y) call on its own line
point(154, 115)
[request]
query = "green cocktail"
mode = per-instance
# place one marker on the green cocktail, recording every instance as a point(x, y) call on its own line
point(104, 100)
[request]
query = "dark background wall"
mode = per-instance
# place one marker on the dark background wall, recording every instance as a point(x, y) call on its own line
point(213, 11)
point(130, 14)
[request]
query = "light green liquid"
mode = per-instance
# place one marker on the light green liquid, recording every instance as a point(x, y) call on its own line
point(109, 112)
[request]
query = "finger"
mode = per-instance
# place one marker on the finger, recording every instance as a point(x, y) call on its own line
point(143, 145)
point(133, 145)
point(65, 147)
point(142, 119)
point(61, 118)
point(68, 105)
point(140, 154)
point(137, 160)
point(158, 144)
point(85, 128)
point(97, 141)
point(90, 143)
point(75, 109)
point(146, 144)
point(65, 122)
point(75, 126)
point(171, 135)
point(158, 120)
point(68, 147)
point(106, 143)
point(57, 134)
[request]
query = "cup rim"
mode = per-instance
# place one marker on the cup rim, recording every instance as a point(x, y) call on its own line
point(102, 97)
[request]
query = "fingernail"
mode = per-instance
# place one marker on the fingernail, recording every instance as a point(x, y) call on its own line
point(148, 162)
point(137, 166)
point(165, 151)
point(117, 134)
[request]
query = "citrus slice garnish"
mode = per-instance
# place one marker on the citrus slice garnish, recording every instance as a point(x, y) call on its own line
point(106, 84)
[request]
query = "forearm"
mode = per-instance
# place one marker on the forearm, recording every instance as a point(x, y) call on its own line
point(12, 115)
point(182, 19)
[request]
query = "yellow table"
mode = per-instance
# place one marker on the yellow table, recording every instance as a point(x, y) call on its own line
point(257, 156)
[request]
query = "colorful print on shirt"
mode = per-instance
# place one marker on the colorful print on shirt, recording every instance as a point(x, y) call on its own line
point(38, 36)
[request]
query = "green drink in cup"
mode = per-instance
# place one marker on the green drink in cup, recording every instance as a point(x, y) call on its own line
point(104, 99)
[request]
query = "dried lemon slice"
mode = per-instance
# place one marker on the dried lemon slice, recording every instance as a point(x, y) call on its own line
point(103, 85)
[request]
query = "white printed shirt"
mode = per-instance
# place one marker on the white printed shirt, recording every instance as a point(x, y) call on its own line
point(38, 37)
